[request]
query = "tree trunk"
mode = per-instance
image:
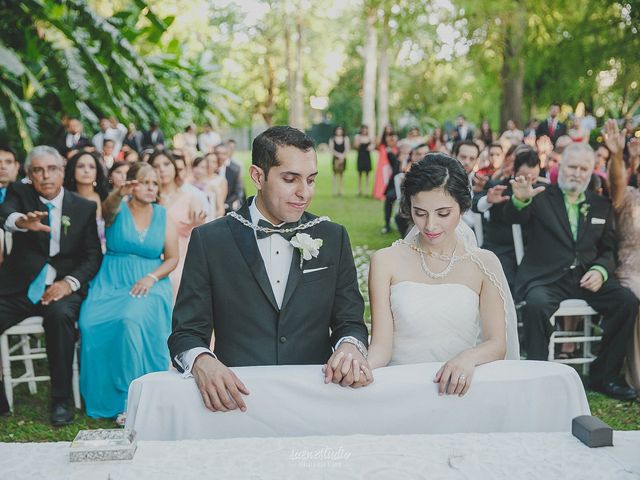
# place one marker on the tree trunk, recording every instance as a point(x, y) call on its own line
point(383, 77)
point(370, 61)
point(297, 119)
point(290, 71)
point(513, 68)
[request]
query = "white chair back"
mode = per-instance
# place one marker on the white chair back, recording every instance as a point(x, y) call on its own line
point(517, 242)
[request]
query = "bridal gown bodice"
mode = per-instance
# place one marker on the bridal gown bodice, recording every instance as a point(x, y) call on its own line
point(433, 322)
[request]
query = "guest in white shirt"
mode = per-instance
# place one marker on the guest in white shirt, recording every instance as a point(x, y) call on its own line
point(208, 139)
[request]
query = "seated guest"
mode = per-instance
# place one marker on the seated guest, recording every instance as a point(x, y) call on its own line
point(126, 319)
point(85, 176)
point(9, 168)
point(183, 208)
point(570, 253)
point(56, 251)
point(214, 187)
point(118, 174)
point(498, 234)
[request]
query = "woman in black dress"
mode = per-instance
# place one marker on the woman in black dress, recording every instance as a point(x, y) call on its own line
point(339, 147)
point(364, 145)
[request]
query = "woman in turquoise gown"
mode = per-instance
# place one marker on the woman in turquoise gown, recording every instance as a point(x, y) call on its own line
point(126, 318)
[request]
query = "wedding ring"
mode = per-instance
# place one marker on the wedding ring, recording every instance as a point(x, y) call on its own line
point(462, 378)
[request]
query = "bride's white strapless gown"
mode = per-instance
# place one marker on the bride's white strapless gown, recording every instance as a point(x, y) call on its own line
point(433, 322)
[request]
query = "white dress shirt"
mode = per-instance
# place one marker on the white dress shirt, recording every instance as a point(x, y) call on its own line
point(277, 254)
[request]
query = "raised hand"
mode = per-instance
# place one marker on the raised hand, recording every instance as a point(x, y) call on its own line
point(634, 147)
point(479, 181)
point(494, 194)
point(220, 388)
point(523, 188)
point(544, 145)
point(197, 217)
point(614, 139)
point(127, 188)
point(33, 221)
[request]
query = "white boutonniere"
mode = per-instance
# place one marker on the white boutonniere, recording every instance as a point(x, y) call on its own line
point(309, 247)
point(584, 210)
point(66, 223)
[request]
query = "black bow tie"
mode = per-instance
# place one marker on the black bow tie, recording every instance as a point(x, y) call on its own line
point(278, 230)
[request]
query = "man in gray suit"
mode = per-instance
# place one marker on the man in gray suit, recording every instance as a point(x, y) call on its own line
point(262, 284)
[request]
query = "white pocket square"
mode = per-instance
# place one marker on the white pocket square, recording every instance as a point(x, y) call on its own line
point(598, 221)
point(311, 270)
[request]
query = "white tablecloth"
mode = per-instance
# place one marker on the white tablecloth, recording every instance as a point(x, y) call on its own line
point(289, 401)
point(507, 456)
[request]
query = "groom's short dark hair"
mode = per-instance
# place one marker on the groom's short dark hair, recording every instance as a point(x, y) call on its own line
point(265, 146)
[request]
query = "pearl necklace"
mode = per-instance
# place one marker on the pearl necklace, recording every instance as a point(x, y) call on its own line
point(452, 261)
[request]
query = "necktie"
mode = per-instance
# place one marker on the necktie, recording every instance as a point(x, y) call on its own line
point(285, 235)
point(38, 285)
point(552, 128)
point(3, 194)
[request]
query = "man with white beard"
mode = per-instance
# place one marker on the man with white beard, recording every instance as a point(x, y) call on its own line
point(570, 253)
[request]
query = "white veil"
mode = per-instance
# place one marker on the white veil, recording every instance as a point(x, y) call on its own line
point(497, 278)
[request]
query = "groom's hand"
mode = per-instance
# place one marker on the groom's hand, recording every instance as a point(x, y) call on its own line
point(347, 367)
point(219, 386)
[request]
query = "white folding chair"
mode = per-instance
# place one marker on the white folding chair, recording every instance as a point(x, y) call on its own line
point(568, 308)
point(477, 228)
point(27, 354)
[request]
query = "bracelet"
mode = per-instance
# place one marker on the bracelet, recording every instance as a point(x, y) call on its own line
point(155, 279)
point(357, 343)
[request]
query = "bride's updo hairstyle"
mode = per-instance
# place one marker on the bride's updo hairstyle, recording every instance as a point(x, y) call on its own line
point(434, 171)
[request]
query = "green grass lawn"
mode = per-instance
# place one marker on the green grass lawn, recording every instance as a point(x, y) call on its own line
point(363, 218)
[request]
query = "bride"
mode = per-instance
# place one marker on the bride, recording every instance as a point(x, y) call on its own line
point(435, 296)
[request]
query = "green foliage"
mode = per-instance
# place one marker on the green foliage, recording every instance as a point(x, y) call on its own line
point(63, 58)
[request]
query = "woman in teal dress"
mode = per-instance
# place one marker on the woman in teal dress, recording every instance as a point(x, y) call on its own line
point(126, 319)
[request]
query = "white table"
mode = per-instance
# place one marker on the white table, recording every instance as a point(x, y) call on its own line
point(509, 456)
point(289, 401)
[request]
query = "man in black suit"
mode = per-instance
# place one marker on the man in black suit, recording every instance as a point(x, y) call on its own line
point(73, 139)
point(463, 130)
point(498, 234)
point(56, 251)
point(570, 253)
point(153, 138)
point(245, 283)
point(233, 173)
point(552, 127)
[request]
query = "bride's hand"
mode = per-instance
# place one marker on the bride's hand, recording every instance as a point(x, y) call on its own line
point(455, 376)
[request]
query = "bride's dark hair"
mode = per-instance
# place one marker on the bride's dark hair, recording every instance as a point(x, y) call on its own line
point(433, 171)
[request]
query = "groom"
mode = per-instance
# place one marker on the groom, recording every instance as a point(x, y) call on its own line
point(246, 284)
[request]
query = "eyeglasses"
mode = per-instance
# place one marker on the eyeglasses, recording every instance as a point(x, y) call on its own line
point(51, 170)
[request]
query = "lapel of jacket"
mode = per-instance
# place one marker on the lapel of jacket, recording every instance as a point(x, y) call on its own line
point(557, 206)
point(67, 210)
point(295, 272)
point(582, 219)
point(245, 238)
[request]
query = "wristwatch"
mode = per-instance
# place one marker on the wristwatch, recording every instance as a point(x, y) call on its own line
point(354, 341)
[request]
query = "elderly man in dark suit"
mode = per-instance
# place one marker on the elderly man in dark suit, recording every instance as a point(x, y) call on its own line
point(570, 253)
point(274, 284)
point(56, 252)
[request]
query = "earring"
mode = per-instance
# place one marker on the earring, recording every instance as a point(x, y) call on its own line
point(95, 184)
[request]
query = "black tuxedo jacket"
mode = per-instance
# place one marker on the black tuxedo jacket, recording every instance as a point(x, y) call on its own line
point(551, 251)
point(543, 129)
point(235, 190)
point(225, 291)
point(147, 140)
point(80, 252)
point(83, 142)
